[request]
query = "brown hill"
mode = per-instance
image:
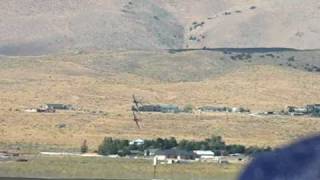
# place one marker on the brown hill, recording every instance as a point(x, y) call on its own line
point(33, 27)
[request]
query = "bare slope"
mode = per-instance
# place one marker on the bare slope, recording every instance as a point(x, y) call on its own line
point(257, 80)
point(34, 27)
point(249, 23)
point(197, 65)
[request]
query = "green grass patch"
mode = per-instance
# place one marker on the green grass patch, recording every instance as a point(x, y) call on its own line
point(100, 168)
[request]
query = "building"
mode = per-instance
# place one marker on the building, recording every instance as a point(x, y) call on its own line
point(240, 110)
point(204, 155)
point(137, 142)
point(223, 109)
point(58, 106)
point(45, 110)
point(297, 111)
point(311, 109)
point(314, 109)
point(175, 154)
point(150, 152)
point(164, 108)
point(214, 109)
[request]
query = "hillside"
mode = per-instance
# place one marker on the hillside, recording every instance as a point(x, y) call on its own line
point(101, 79)
point(34, 27)
point(250, 23)
point(102, 84)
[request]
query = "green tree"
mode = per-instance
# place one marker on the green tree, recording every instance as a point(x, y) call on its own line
point(235, 148)
point(216, 143)
point(188, 145)
point(108, 147)
point(159, 143)
point(183, 144)
point(253, 150)
point(173, 142)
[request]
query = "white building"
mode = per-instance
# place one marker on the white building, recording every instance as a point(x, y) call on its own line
point(204, 154)
point(175, 154)
point(137, 142)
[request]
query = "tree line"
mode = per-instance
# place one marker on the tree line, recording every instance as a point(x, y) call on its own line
point(214, 143)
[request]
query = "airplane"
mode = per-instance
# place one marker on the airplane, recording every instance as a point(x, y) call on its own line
point(135, 110)
point(136, 119)
point(136, 102)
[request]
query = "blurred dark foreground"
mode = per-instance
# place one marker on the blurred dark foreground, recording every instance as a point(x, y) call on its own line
point(299, 161)
point(16, 178)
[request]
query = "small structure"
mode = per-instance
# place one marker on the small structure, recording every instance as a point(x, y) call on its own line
point(214, 109)
point(291, 109)
point(235, 110)
point(137, 142)
point(51, 108)
point(150, 152)
point(45, 110)
point(223, 109)
point(314, 109)
point(204, 155)
point(297, 111)
point(237, 158)
point(4, 156)
point(268, 113)
point(175, 155)
point(316, 112)
point(58, 106)
point(31, 110)
point(240, 110)
point(220, 159)
point(113, 156)
point(9, 155)
point(60, 154)
point(164, 108)
point(311, 109)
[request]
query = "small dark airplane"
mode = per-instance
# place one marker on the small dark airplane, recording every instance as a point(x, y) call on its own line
point(136, 102)
point(136, 119)
point(135, 110)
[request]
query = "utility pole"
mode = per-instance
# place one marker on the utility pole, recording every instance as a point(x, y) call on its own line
point(155, 163)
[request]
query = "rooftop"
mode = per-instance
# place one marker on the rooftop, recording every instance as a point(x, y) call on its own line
point(201, 152)
point(174, 152)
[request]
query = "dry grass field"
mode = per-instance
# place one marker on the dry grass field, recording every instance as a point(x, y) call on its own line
point(240, 129)
point(71, 167)
point(102, 84)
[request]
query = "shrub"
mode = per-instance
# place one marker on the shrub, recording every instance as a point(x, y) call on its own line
point(291, 59)
point(253, 7)
point(84, 147)
point(235, 148)
point(110, 146)
point(188, 108)
point(253, 150)
point(215, 143)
